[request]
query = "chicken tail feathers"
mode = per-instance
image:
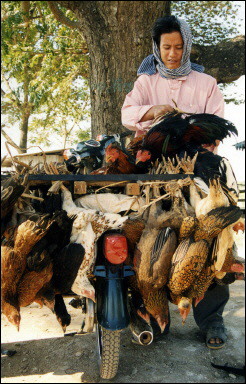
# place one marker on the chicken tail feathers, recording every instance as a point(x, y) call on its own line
point(206, 128)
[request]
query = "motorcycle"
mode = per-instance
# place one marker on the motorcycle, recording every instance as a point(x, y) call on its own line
point(114, 310)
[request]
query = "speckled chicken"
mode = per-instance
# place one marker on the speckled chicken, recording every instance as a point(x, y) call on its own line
point(193, 266)
point(210, 225)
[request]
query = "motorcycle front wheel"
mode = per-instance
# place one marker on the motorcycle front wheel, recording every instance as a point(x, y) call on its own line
point(108, 351)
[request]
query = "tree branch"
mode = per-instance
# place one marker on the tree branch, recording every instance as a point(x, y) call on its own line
point(224, 61)
point(59, 15)
point(11, 94)
point(11, 141)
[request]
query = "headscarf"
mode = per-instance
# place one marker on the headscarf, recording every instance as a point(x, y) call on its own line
point(153, 63)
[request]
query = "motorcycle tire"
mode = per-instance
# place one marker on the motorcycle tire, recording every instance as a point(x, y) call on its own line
point(108, 351)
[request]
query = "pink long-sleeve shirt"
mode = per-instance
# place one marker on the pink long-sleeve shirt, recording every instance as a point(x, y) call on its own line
point(195, 93)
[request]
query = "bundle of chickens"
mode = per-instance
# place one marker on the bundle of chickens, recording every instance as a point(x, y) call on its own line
point(178, 247)
point(88, 155)
point(183, 251)
point(172, 136)
point(46, 255)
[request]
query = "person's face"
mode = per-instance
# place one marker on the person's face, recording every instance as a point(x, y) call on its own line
point(171, 49)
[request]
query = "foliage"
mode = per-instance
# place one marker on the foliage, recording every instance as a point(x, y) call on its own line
point(41, 61)
point(63, 115)
point(222, 17)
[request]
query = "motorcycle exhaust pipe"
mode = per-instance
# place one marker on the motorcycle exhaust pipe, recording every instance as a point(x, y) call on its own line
point(141, 331)
point(143, 338)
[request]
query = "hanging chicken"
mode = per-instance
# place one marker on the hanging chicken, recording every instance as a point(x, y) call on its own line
point(13, 263)
point(193, 267)
point(87, 228)
point(11, 189)
point(151, 261)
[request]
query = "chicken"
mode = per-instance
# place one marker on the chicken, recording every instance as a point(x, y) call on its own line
point(56, 238)
point(174, 217)
point(66, 263)
point(210, 225)
point(193, 266)
point(88, 155)
point(176, 133)
point(13, 263)
point(132, 229)
point(39, 257)
point(30, 284)
point(151, 262)
point(9, 300)
point(87, 228)
point(118, 162)
point(215, 198)
point(134, 145)
point(188, 264)
point(11, 190)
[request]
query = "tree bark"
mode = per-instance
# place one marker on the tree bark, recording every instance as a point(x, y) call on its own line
point(117, 34)
point(23, 134)
point(224, 61)
point(118, 38)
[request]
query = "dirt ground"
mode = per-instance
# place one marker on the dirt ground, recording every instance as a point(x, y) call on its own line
point(44, 355)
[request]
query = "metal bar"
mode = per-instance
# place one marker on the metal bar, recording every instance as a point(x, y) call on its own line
point(121, 177)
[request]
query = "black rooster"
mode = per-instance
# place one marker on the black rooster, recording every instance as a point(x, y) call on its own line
point(66, 264)
point(176, 133)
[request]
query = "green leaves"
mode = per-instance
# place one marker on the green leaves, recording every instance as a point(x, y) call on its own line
point(41, 62)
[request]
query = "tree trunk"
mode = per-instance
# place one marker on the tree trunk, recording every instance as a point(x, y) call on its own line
point(117, 34)
point(118, 38)
point(24, 130)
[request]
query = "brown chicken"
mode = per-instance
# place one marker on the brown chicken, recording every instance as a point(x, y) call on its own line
point(193, 266)
point(117, 162)
point(13, 263)
point(151, 262)
point(53, 268)
point(187, 262)
point(175, 216)
point(31, 283)
point(134, 145)
point(132, 229)
point(210, 225)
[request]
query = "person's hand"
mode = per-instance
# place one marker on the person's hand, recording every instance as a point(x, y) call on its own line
point(160, 110)
point(156, 111)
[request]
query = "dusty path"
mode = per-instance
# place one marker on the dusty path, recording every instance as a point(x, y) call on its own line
point(44, 355)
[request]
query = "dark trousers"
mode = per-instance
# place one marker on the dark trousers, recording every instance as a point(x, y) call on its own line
point(210, 309)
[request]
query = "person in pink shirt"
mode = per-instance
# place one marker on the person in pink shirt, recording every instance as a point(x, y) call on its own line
point(168, 77)
point(165, 78)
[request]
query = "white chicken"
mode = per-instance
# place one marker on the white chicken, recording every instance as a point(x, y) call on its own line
point(217, 198)
point(87, 228)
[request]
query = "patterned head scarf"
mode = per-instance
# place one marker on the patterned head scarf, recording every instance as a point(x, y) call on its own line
point(149, 66)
